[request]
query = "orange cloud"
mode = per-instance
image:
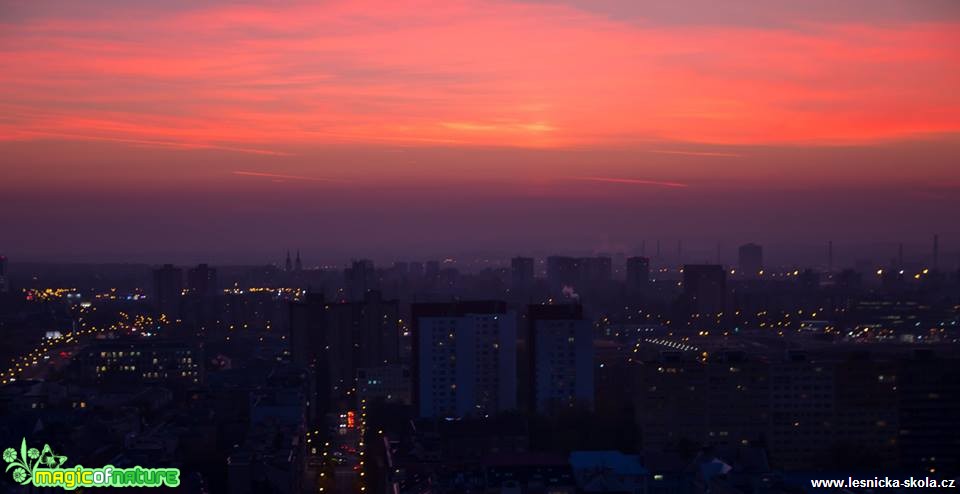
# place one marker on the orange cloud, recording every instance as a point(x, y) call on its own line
point(283, 177)
point(467, 73)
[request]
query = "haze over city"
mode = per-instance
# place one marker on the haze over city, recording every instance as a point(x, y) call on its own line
point(152, 131)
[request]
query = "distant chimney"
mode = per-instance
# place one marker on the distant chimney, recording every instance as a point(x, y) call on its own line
point(830, 256)
point(936, 251)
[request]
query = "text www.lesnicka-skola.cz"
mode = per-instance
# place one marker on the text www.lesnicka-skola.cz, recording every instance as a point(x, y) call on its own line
point(877, 482)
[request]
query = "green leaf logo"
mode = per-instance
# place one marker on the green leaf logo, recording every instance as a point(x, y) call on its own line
point(25, 464)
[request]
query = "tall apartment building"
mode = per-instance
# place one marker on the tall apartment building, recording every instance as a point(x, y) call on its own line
point(560, 345)
point(464, 359)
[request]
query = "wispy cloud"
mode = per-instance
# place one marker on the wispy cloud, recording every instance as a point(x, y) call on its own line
point(631, 181)
point(284, 177)
point(716, 154)
point(501, 127)
point(34, 134)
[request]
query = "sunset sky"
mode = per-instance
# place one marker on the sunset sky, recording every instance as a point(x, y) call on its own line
point(134, 130)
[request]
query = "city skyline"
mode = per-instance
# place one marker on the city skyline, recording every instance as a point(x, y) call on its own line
point(480, 246)
point(669, 254)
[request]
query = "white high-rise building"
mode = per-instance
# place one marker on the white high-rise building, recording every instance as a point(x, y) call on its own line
point(465, 359)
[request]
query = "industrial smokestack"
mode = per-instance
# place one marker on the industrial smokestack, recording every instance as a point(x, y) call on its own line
point(830, 256)
point(936, 251)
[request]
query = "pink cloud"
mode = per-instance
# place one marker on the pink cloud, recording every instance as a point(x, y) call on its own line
point(630, 181)
point(280, 176)
point(468, 73)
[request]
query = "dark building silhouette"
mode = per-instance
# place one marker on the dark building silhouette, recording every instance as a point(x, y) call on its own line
point(595, 269)
point(750, 259)
point(638, 273)
point(4, 277)
point(929, 403)
point(401, 268)
point(574, 271)
point(306, 329)
point(360, 334)
point(333, 340)
point(386, 383)
point(560, 358)
point(809, 410)
point(722, 402)
point(298, 264)
point(849, 281)
point(830, 256)
point(360, 278)
point(521, 270)
point(704, 287)
point(936, 252)
point(205, 308)
point(416, 270)
point(202, 280)
point(431, 271)
point(288, 264)
point(167, 290)
point(308, 351)
point(563, 271)
point(809, 280)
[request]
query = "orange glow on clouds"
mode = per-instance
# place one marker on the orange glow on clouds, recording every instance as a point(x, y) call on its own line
point(276, 79)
